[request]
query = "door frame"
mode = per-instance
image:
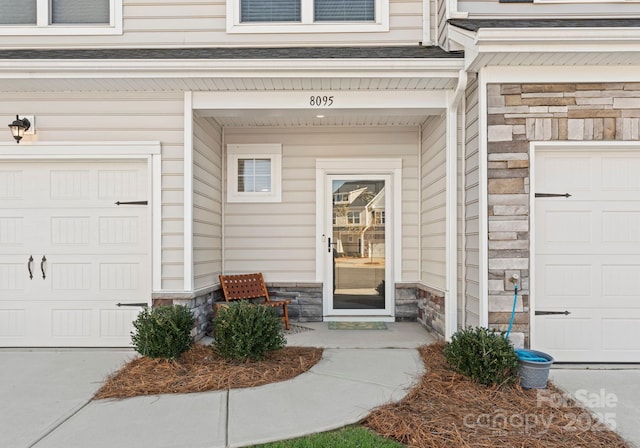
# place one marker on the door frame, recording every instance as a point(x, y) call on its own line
point(391, 170)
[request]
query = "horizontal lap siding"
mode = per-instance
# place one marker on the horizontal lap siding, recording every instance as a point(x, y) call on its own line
point(279, 239)
point(471, 191)
point(434, 197)
point(207, 202)
point(494, 9)
point(119, 117)
point(442, 22)
point(162, 23)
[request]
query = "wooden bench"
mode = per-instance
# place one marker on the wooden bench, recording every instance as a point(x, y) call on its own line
point(251, 286)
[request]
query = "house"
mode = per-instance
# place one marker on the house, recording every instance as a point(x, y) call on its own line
point(169, 142)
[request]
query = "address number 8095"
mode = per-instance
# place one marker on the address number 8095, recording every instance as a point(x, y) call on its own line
point(321, 101)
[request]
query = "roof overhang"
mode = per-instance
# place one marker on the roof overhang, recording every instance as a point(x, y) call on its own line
point(437, 76)
point(556, 46)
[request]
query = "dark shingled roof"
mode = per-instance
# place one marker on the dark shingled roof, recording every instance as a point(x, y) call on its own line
point(402, 52)
point(475, 25)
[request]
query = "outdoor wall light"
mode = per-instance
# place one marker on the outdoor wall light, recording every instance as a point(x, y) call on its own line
point(19, 127)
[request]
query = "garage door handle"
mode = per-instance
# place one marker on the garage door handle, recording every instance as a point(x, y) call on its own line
point(550, 313)
point(29, 267)
point(42, 266)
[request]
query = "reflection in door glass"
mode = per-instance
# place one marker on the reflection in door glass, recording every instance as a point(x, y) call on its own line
point(358, 244)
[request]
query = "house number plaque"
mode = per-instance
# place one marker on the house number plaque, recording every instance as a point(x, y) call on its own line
point(321, 101)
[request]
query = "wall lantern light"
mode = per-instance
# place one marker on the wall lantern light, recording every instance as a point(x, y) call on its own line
point(19, 127)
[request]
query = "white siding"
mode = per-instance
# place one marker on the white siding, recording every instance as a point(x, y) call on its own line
point(120, 117)
point(441, 22)
point(279, 239)
point(170, 23)
point(207, 202)
point(433, 207)
point(483, 9)
point(471, 195)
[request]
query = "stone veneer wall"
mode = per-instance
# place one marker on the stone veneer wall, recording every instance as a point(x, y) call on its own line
point(201, 305)
point(306, 300)
point(517, 115)
point(306, 305)
point(431, 310)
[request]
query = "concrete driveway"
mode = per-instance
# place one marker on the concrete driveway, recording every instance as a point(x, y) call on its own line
point(612, 393)
point(40, 389)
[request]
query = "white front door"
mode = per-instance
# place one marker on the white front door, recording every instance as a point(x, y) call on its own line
point(587, 256)
point(358, 282)
point(69, 254)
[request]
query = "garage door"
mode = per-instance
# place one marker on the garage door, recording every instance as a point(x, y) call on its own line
point(69, 255)
point(588, 256)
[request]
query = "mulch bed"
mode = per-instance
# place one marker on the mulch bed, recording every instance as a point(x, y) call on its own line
point(202, 369)
point(448, 410)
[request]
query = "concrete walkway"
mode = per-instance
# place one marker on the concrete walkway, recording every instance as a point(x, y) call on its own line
point(47, 403)
point(46, 396)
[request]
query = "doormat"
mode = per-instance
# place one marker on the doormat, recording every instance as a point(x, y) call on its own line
point(357, 326)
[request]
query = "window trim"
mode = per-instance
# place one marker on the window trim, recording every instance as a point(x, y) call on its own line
point(272, 151)
point(44, 27)
point(307, 25)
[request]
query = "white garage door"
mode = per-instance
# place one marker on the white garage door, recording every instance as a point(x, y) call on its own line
point(588, 256)
point(87, 254)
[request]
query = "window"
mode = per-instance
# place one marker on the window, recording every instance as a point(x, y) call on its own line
point(253, 173)
point(300, 16)
point(353, 217)
point(378, 217)
point(48, 17)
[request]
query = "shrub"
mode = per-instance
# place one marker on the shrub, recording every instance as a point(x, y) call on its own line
point(243, 331)
point(486, 357)
point(163, 332)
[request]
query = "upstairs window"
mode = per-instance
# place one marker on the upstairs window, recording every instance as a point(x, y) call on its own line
point(48, 17)
point(256, 16)
point(344, 10)
point(269, 11)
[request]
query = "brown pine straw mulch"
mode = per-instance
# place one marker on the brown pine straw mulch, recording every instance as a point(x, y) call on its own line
point(448, 410)
point(202, 369)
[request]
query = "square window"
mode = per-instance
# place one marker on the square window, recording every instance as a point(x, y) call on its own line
point(253, 173)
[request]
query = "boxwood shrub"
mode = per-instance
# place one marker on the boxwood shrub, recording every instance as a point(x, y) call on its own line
point(486, 357)
point(243, 331)
point(163, 332)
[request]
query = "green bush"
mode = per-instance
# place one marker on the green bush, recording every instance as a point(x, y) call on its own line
point(243, 331)
point(486, 357)
point(163, 332)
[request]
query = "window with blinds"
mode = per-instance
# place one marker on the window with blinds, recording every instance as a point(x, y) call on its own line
point(79, 11)
point(254, 175)
point(344, 10)
point(62, 12)
point(270, 10)
point(18, 12)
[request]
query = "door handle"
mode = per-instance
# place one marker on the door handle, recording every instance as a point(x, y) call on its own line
point(29, 267)
point(44, 258)
point(329, 245)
